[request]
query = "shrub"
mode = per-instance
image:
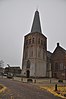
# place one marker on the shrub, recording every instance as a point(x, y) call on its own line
point(64, 95)
point(61, 81)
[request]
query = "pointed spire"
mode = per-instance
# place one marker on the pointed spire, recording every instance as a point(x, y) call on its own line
point(36, 26)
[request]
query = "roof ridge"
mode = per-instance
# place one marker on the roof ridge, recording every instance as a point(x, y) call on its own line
point(62, 49)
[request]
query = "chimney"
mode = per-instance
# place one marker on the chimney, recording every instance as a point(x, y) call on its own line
point(57, 44)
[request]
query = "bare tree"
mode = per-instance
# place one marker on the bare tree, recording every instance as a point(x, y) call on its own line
point(1, 63)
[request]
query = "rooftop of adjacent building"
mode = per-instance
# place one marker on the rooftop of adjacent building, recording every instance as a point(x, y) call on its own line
point(60, 47)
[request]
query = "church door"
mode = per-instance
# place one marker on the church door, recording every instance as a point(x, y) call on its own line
point(28, 73)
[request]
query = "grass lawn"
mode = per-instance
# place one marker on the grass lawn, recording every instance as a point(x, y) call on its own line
point(2, 88)
point(61, 90)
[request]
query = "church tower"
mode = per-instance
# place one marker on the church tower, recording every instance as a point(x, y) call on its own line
point(34, 51)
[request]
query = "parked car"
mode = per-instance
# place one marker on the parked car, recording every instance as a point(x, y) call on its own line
point(9, 75)
point(4, 74)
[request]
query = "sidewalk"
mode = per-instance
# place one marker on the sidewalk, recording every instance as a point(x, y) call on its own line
point(38, 80)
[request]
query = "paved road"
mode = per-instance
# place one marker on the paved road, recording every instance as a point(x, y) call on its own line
point(18, 90)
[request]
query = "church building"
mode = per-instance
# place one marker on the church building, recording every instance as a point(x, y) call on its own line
point(35, 51)
point(37, 61)
point(58, 60)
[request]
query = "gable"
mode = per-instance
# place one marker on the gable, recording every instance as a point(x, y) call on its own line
point(59, 53)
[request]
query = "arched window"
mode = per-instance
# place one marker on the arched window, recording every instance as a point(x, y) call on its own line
point(39, 41)
point(31, 52)
point(28, 64)
point(26, 54)
point(39, 53)
point(26, 42)
point(43, 54)
point(29, 41)
point(61, 66)
point(33, 40)
point(56, 67)
point(45, 44)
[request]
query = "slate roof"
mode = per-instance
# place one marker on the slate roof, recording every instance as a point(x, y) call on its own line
point(60, 48)
point(36, 26)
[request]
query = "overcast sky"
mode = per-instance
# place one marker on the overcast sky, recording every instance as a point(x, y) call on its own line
point(16, 18)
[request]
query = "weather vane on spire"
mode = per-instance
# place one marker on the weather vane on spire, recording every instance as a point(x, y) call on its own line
point(37, 8)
